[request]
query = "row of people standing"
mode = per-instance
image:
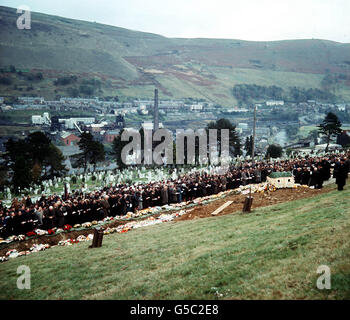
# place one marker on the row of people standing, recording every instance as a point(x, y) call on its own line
point(77, 207)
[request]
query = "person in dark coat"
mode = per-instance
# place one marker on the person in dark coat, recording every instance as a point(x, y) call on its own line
point(123, 205)
point(172, 194)
point(134, 202)
point(305, 177)
point(164, 195)
point(105, 206)
point(59, 215)
point(326, 169)
point(340, 174)
point(320, 176)
point(179, 193)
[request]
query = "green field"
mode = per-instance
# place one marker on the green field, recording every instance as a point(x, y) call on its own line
point(271, 253)
point(305, 130)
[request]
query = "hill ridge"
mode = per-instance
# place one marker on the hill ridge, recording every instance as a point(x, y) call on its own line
point(195, 67)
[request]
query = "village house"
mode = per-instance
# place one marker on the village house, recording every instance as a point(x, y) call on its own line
point(274, 103)
point(111, 135)
point(69, 139)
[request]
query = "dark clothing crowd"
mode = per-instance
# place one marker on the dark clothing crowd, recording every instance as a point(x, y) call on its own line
point(78, 207)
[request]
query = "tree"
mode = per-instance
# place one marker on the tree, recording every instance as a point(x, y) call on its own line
point(3, 176)
point(87, 90)
point(55, 160)
point(39, 146)
point(27, 158)
point(92, 151)
point(343, 139)
point(330, 127)
point(36, 172)
point(274, 151)
point(97, 153)
point(117, 148)
point(234, 142)
point(5, 81)
point(21, 174)
point(248, 145)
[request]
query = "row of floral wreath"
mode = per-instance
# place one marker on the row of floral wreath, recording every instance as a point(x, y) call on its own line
point(131, 225)
point(139, 214)
point(255, 188)
point(13, 253)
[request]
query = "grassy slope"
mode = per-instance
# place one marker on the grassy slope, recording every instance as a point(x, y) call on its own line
point(273, 252)
point(202, 68)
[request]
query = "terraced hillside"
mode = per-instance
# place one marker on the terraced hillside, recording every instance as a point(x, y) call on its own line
point(131, 63)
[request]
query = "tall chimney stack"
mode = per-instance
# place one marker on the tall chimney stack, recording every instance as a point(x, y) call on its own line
point(156, 111)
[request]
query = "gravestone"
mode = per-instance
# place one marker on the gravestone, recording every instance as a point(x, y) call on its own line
point(247, 204)
point(8, 193)
point(97, 239)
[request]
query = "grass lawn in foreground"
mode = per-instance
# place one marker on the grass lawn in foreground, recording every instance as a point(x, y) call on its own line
point(271, 253)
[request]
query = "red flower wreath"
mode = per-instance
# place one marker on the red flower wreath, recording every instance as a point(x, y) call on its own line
point(67, 227)
point(31, 234)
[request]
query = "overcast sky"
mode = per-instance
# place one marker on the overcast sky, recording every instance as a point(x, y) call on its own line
point(260, 20)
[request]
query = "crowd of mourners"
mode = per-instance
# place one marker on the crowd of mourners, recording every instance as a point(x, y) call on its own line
point(78, 207)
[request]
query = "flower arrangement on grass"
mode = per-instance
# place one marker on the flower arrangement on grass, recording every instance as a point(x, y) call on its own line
point(11, 239)
point(13, 253)
point(67, 227)
point(109, 230)
point(31, 234)
point(40, 232)
point(86, 225)
point(3, 259)
point(39, 247)
point(81, 238)
point(65, 243)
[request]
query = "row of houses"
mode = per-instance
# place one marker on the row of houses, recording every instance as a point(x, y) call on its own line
point(71, 139)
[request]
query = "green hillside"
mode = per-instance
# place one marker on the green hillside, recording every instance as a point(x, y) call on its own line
point(131, 63)
point(271, 253)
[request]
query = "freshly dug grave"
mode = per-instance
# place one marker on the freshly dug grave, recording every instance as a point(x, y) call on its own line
point(259, 200)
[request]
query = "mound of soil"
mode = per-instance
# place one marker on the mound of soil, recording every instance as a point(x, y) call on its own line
point(259, 200)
